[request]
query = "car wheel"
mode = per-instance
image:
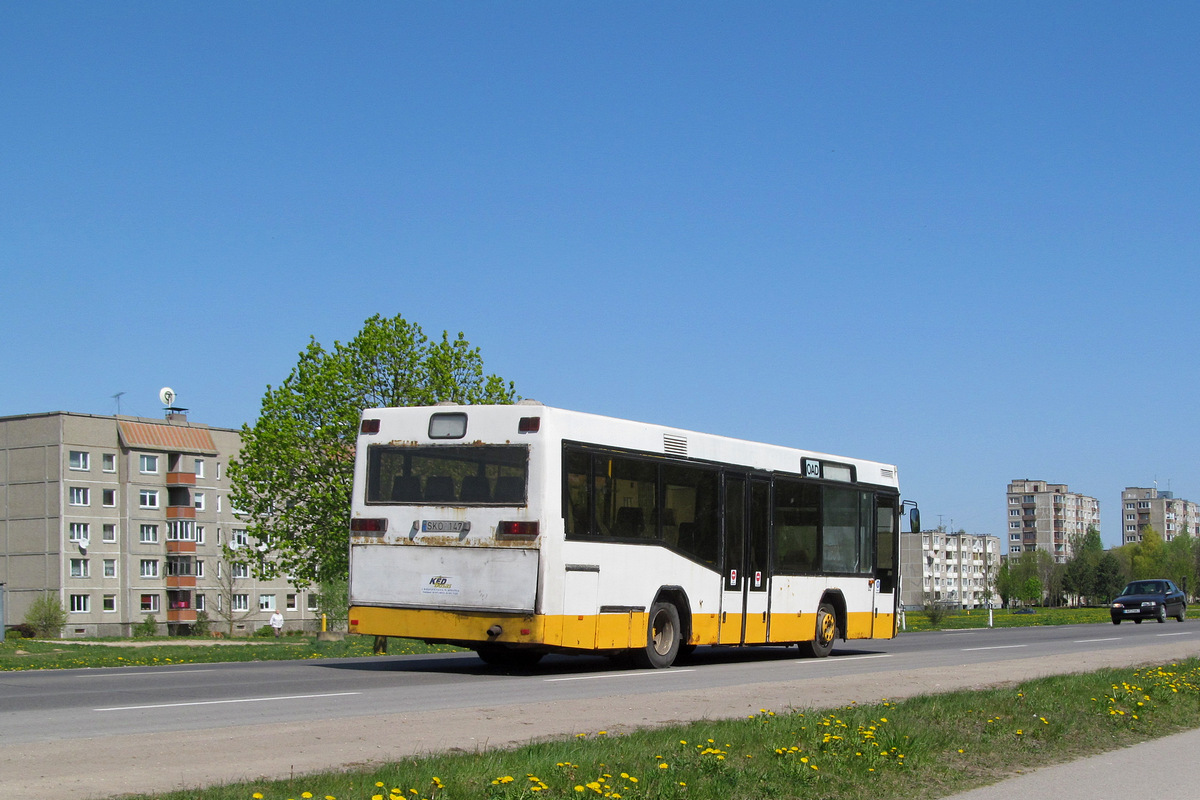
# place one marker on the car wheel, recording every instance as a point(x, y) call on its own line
point(1137, 621)
point(1116, 622)
point(1182, 615)
point(1162, 613)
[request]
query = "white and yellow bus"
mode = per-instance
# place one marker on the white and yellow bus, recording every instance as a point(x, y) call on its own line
point(522, 529)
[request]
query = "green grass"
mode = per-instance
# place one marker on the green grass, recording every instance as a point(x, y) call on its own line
point(922, 747)
point(1007, 618)
point(23, 654)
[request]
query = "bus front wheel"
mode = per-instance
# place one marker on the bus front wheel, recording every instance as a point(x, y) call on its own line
point(662, 638)
point(826, 632)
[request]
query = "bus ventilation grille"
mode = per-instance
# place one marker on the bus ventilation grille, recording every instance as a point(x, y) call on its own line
point(888, 473)
point(674, 445)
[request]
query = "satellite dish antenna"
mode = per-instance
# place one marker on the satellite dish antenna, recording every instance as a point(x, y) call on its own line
point(167, 395)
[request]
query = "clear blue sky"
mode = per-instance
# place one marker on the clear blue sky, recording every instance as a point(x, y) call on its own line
point(958, 237)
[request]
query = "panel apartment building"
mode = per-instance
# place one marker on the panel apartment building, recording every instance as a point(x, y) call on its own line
point(1044, 516)
point(124, 517)
point(1167, 514)
point(951, 568)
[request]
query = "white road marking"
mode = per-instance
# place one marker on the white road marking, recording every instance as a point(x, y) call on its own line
point(223, 702)
point(840, 659)
point(145, 674)
point(994, 647)
point(1181, 633)
point(1089, 641)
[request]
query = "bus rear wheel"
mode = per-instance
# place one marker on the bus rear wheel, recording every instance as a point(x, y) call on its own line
point(826, 632)
point(662, 638)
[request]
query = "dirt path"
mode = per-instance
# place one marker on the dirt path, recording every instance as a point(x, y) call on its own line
point(95, 768)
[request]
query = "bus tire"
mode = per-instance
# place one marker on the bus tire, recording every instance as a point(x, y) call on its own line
point(497, 655)
point(662, 638)
point(822, 645)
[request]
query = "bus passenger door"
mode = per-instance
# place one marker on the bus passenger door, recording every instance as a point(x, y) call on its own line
point(887, 554)
point(745, 599)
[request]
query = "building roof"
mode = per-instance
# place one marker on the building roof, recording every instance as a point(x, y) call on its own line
point(172, 438)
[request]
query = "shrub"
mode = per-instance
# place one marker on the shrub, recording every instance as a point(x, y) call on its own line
point(266, 631)
point(46, 617)
point(146, 628)
point(22, 631)
point(200, 628)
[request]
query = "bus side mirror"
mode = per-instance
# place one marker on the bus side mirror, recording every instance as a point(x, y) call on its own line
point(914, 519)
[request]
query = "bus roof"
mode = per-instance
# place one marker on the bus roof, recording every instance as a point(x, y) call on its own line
point(500, 423)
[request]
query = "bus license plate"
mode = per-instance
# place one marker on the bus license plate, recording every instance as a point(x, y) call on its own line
point(445, 526)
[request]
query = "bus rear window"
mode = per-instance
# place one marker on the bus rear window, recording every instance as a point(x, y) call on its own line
point(471, 475)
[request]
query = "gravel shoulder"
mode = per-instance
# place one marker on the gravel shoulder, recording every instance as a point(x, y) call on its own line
point(101, 768)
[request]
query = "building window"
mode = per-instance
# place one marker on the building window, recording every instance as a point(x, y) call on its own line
point(291, 602)
point(110, 602)
point(266, 602)
point(218, 470)
point(199, 568)
point(109, 533)
point(78, 496)
point(218, 504)
point(313, 600)
point(149, 534)
point(199, 534)
point(239, 538)
point(108, 462)
point(150, 603)
point(148, 465)
point(149, 568)
point(110, 568)
point(148, 498)
point(80, 604)
point(108, 497)
point(78, 531)
point(78, 459)
point(199, 467)
point(79, 568)
point(241, 571)
point(240, 602)
point(181, 530)
point(199, 501)
point(200, 602)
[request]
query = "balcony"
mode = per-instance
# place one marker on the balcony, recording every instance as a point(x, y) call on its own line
point(181, 479)
point(181, 512)
point(181, 581)
point(187, 615)
point(181, 547)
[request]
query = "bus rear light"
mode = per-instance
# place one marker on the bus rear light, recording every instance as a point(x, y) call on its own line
point(529, 425)
point(369, 426)
point(517, 530)
point(366, 525)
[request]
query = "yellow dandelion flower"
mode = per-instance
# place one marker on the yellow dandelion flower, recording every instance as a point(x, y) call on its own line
point(257, 796)
point(663, 765)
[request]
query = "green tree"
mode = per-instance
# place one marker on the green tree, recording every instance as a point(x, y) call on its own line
point(1005, 583)
point(46, 616)
point(293, 476)
point(1147, 557)
point(1079, 574)
point(1031, 590)
point(1110, 576)
point(1180, 560)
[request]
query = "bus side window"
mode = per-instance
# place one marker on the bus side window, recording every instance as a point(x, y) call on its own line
point(577, 517)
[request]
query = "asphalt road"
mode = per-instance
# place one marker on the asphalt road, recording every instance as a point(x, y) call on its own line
point(278, 718)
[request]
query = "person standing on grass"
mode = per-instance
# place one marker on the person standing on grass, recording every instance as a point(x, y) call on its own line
point(276, 622)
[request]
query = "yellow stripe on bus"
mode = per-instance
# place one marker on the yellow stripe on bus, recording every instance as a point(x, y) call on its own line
point(592, 632)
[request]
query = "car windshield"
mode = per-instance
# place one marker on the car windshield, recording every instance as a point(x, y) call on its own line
point(1145, 587)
